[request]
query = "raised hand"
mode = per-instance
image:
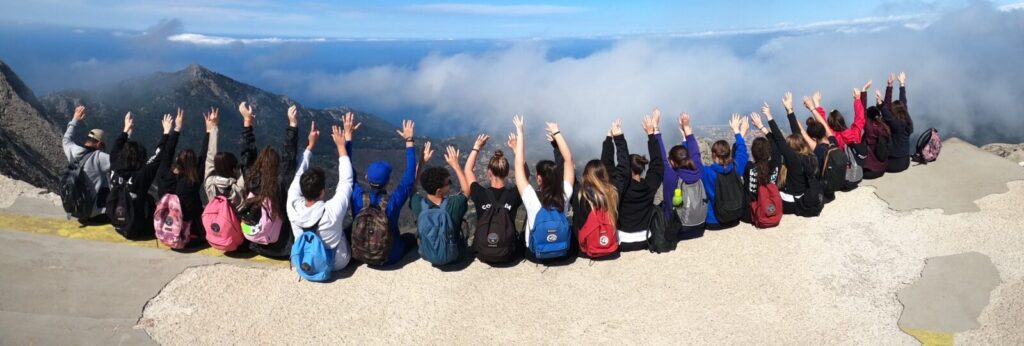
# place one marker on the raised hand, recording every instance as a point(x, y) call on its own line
point(745, 126)
point(408, 130)
point(79, 114)
point(648, 124)
point(616, 129)
point(518, 121)
point(756, 119)
point(856, 93)
point(903, 79)
point(179, 120)
point(817, 99)
point(338, 135)
point(293, 116)
point(451, 156)
point(867, 86)
point(767, 110)
point(511, 143)
point(892, 77)
point(684, 124)
point(314, 134)
point(247, 116)
point(212, 118)
point(878, 97)
point(808, 102)
point(734, 123)
point(167, 121)
point(656, 118)
point(481, 140)
point(787, 101)
point(129, 123)
point(351, 126)
point(427, 152)
point(552, 128)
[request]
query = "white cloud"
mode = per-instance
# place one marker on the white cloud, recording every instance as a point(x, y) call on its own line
point(208, 40)
point(502, 10)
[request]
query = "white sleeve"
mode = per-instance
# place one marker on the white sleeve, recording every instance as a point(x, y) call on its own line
point(567, 189)
point(532, 205)
point(294, 192)
point(338, 204)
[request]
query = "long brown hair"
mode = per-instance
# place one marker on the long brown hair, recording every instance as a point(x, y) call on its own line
point(761, 151)
point(899, 110)
point(836, 120)
point(552, 194)
point(598, 192)
point(797, 143)
point(679, 157)
point(264, 171)
point(186, 166)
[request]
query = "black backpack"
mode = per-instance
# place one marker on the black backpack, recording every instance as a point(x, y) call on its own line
point(661, 238)
point(125, 208)
point(76, 190)
point(495, 237)
point(813, 200)
point(730, 197)
point(833, 173)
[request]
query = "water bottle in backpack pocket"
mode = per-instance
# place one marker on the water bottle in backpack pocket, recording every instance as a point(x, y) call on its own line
point(597, 236)
point(549, 237)
point(690, 204)
point(729, 197)
point(258, 222)
point(311, 258)
point(439, 244)
point(169, 224)
point(223, 230)
point(371, 236)
point(495, 236)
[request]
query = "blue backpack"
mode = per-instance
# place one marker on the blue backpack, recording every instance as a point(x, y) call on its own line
point(310, 257)
point(550, 235)
point(438, 243)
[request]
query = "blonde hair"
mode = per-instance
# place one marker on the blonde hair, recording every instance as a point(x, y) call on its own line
point(598, 192)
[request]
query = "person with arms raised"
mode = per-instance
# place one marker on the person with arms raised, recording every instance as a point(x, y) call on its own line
point(684, 200)
point(547, 229)
point(496, 240)
point(440, 213)
point(86, 199)
point(129, 205)
point(722, 181)
point(799, 186)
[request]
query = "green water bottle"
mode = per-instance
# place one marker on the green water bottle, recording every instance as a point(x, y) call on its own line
point(677, 199)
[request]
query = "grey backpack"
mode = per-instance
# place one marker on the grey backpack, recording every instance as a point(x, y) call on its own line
point(854, 172)
point(693, 207)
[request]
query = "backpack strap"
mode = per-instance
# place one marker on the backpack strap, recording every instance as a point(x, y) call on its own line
point(316, 226)
point(383, 200)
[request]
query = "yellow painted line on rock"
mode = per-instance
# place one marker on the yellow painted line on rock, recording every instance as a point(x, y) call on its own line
point(104, 233)
point(930, 337)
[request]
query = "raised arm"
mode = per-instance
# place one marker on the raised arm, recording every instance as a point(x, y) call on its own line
point(294, 191)
point(164, 168)
point(692, 146)
point(212, 120)
point(790, 158)
point(569, 174)
point(740, 156)
point(452, 157)
point(800, 127)
point(516, 142)
point(149, 171)
point(819, 114)
point(858, 111)
point(864, 95)
point(291, 143)
point(656, 170)
point(888, 90)
point(339, 202)
point(620, 171)
point(70, 148)
point(249, 150)
point(129, 125)
point(481, 140)
point(405, 186)
point(608, 153)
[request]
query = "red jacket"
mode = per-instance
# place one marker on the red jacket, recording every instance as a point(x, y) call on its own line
point(852, 134)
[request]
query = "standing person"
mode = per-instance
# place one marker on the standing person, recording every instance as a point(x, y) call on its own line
point(496, 208)
point(94, 163)
point(129, 205)
point(877, 140)
point(683, 171)
point(901, 125)
point(636, 205)
point(724, 176)
point(799, 186)
point(550, 201)
point(179, 175)
point(307, 207)
point(437, 184)
point(377, 176)
point(267, 185)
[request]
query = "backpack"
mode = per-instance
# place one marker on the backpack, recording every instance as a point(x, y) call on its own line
point(928, 147)
point(854, 171)
point(311, 257)
point(258, 225)
point(729, 197)
point(124, 207)
point(766, 210)
point(168, 223)
point(692, 209)
point(371, 238)
point(597, 236)
point(661, 238)
point(76, 190)
point(833, 173)
point(495, 237)
point(550, 235)
point(813, 200)
point(438, 243)
point(223, 230)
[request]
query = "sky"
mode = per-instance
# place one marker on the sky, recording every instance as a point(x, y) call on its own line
point(455, 20)
point(580, 63)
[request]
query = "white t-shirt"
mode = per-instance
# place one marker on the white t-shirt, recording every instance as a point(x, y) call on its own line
point(532, 205)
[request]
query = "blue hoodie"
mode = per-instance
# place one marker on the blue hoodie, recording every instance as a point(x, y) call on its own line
point(710, 174)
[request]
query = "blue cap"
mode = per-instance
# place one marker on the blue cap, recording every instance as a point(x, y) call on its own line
point(378, 173)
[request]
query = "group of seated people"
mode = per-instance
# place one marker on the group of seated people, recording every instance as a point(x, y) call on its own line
point(276, 204)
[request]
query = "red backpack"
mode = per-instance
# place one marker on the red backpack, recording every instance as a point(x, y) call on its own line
point(766, 211)
point(597, 236)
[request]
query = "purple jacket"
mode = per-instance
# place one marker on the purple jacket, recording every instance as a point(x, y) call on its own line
point(672, 175)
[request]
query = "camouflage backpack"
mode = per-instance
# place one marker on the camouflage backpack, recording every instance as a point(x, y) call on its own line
point(371, 239)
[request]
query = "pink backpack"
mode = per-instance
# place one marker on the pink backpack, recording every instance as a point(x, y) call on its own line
point(928, 147)
point(171, 228)
point(222, 227)
point(258, 223)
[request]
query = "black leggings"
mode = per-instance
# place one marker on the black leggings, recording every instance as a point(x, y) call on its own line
point(898, 164)
point(872, 174)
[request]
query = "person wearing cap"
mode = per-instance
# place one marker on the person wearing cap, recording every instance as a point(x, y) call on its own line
point(377, 176)
point(95, 163)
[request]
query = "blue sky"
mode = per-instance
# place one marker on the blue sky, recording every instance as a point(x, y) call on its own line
point(444, 20)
